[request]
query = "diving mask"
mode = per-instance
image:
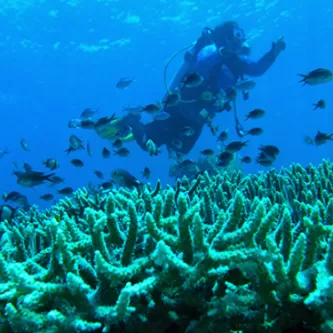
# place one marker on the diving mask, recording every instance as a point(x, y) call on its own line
point(237, 43)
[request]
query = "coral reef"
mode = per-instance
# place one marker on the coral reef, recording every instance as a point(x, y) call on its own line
point(220, 253)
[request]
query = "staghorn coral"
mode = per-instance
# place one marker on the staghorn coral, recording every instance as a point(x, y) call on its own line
point(226, 253)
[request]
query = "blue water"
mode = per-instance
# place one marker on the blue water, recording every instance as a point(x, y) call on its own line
point(57, 58)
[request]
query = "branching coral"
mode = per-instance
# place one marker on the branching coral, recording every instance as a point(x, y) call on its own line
point(224, 253)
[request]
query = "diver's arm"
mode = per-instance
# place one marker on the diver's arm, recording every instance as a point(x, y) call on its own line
point(258, 68)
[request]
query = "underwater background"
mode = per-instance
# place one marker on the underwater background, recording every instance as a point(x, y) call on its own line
point(59, 57)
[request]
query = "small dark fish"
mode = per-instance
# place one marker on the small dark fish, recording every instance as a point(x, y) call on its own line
point(117, 143)
point(89, 149)
point(3, 152)
point(27, 167)
point(255, 131)
point(207, 152)
point(123, 178)
point(87, 124)
point(47, 197)
point(146, 173)
point(106, 153)
point(107, 185)
point(223, 136)
point(265, 159)
point(13, 197)
point(24, 145)
point(317, 76)
point(77, 163)
point(186, 163)
point(57, 180)
point(224, 159)
point(32, 178)
point(322, 138)
point(123, 152)
point(65, 191)
point(270, 150)
point(162, 116)
point(321, 104)
point(88, 112)
point(99, 174)
point(75, 143)
point(246, 159)
point(187, 131)
point(172, 99)
point(255, 114)
point(6, 213)
point(15, 164)
point(124, 82)
point(308, 140)
point(151, 108)
point(235, 146)
point(192, 80)
point(51, 163)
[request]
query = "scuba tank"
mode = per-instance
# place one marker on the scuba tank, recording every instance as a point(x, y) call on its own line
point(187, 67)
point(189, 59)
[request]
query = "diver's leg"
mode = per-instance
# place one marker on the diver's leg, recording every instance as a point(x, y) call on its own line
point(165, 132)
point(138, 128)
point(162, 132)
point(188, 142)
point(169, 132)
point(159, 131)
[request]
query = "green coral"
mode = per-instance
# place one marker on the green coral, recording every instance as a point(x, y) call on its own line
point(220, 252)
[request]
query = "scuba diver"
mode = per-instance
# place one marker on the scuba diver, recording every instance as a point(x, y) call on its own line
point(221, 57)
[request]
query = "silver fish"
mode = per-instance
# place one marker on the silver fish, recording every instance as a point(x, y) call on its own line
point(32, 178)
point(75, 143)
point(124, 82)
point(317, 76)
point(24, 145)
point(74, 123)
point(88, 112)
point(245, 85)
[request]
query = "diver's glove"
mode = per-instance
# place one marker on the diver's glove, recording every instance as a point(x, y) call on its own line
point(278, 46)
point(205, 38)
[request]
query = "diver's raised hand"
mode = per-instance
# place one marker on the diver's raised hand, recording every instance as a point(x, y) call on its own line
point(278, 46)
